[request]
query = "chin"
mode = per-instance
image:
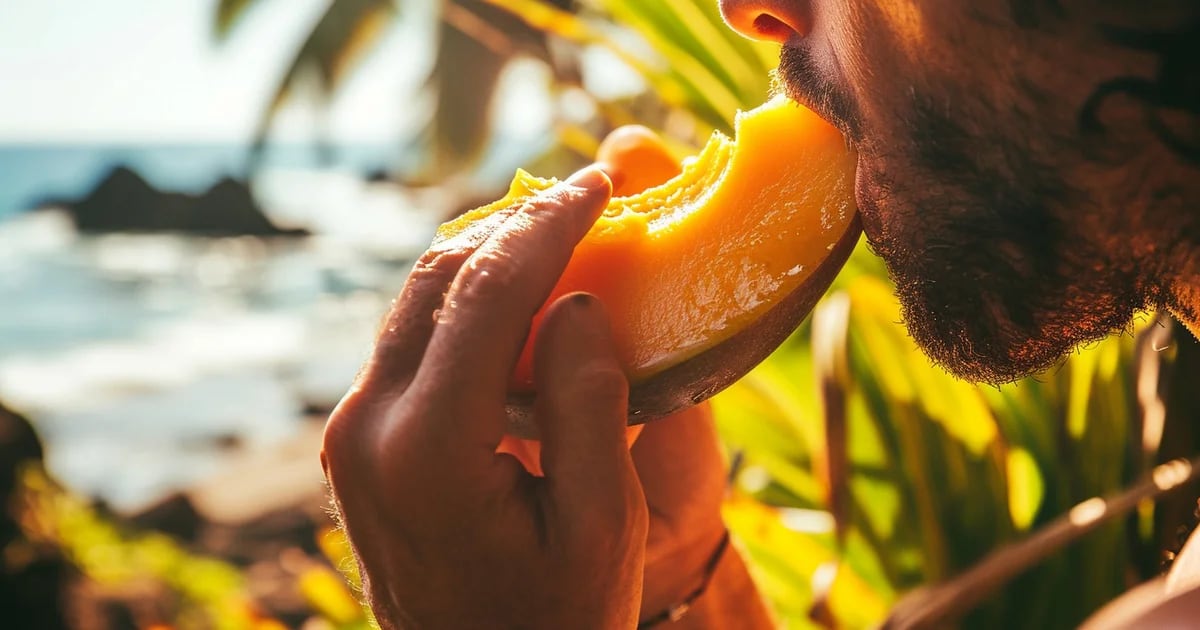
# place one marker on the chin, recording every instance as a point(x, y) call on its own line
point(992, 292)
point(967, 331)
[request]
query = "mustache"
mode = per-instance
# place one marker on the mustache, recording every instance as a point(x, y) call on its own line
point(801, 79)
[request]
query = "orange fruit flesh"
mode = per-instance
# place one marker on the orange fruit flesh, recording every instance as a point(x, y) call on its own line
point(683, 266)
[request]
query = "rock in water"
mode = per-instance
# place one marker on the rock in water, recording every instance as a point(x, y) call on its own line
point(228, 207)
point(125, 202)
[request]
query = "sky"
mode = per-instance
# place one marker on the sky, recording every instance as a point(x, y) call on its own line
point(151, 71)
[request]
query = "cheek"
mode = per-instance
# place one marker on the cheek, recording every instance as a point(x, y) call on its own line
point(882, 52)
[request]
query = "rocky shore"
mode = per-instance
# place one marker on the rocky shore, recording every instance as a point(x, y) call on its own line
point(263, 515)
point(125, 202)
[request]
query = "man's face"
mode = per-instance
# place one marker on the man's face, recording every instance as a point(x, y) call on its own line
point(974, 179)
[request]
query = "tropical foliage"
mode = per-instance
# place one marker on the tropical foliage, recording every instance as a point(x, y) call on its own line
point(861, 472)
point(698, 69)
point(866, 475)
point(474, 42)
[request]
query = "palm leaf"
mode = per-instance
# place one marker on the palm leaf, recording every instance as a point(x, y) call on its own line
point(341, 35)
point(477, 39)
point(937, 606)
point(721, 72)
point(475, 42)
point(940, 472)
point(229, 12)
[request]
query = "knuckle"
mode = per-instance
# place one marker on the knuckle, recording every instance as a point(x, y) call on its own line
point(490, 273)
point(429, 259)
point(603, 384)
point(497, 267)
point(436, 267)
point(362, 420)
point(342, 425)
point(338, 443)
point(560, 221)
point(554, 217)
point(347, 427)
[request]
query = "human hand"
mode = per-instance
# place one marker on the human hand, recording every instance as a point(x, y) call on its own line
point(680, 465)
point(447, 533)
point(683, 474)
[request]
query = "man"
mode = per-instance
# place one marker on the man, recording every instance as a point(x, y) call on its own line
point(1028, 170)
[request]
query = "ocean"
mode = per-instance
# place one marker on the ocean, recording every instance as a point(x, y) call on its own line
point(33, 173)
point(147, 361)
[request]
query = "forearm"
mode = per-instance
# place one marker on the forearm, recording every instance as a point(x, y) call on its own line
point(730, 599)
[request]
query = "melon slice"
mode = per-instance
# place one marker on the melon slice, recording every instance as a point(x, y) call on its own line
point(707, 273)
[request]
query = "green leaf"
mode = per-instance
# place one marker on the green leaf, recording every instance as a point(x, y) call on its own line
point(1025, 489)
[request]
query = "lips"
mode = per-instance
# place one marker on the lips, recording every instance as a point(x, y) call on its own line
point(808, 82)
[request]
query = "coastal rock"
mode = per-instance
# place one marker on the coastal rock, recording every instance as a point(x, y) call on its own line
point(32, 579)
point(174, 515)
point(19, 444)
point(125, 202)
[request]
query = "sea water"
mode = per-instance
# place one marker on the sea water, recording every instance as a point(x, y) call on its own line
point(141, 358)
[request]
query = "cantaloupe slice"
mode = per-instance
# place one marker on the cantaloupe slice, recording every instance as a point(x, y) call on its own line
point(705, 274)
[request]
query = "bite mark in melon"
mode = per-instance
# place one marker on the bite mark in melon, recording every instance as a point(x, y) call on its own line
point(705, 274)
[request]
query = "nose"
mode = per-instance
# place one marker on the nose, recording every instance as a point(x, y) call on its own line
point(770, 20)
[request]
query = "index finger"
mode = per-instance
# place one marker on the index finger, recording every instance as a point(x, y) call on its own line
point(488, 310)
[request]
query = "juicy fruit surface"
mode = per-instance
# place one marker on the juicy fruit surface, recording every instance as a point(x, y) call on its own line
point(685, 265)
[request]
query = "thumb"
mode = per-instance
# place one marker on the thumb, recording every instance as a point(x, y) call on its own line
point(635, 159)
point(581, 407)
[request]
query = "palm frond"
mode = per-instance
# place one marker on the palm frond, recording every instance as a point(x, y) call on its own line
point(227, 15)
point(722, 69)
point(342, 34)
point(939, 472)
point(477, 39)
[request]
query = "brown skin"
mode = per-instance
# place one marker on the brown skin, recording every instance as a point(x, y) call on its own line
point(449, 534)
point(491, 545)
point(682, 471)
point(1022, 208)
point(1028, 175)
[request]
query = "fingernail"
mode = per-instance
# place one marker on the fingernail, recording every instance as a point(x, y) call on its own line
point(582, 300)
point(588, 314)
point(615, 175)
point(589, 178)
point(582, 308)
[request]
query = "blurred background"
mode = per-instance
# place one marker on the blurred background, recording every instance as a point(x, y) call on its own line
point(206, 206)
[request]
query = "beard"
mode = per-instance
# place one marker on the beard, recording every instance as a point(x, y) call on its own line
point(997, 270)
point(997, 274)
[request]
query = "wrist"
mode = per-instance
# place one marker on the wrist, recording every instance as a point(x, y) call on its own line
point(728, 599)
point(674, 575)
